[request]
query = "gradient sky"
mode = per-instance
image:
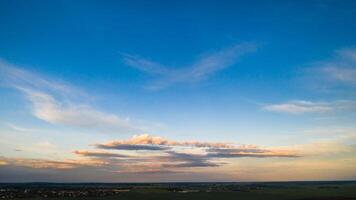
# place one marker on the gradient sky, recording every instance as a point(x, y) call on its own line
point(149, 91)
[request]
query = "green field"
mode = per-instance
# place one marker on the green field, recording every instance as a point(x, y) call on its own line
point(240, 191)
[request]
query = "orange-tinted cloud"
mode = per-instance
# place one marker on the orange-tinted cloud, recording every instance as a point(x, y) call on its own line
point(146, 139)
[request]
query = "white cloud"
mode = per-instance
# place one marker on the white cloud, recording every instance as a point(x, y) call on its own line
point(59, 103)
point(345, 75)
point(46, 108)
point(22, 129)
point(13, 76)
point(341, 70)
point(348, 53)
point(301, 107)
point(201, 69)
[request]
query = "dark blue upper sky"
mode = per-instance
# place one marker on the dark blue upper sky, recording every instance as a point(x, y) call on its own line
point(71, 37)
point(86, 39)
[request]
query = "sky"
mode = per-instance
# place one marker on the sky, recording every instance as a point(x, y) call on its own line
point(169, 91)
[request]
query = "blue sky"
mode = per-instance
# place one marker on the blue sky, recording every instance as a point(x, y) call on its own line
point(274, 78)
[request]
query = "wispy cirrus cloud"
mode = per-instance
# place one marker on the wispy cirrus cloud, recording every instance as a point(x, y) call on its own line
point(47, 108)
point(17, 77)
point(335, 72)
point(204, 67)
point(22, 129)
point(343, 75)
point(338, 72)
point(60, 103)
point(302, 107)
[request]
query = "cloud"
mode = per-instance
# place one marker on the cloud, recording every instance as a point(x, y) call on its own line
point(46, 108)
point(174, 161)
point(48, 164)
point(132, 147)
point(191, 164)
point(172, 154)
point(347, 54)
point(99, 154)
point(301, 107)
point(254, 153)
point(22, 129)
point(186, 160)
point(168, 157)
point(14, 76)
point(201, 69)
point(242, 149)
point(344, 75)
point(13, 173)
point(338, 71)
point(59, 103)
point(323, 147)
point(145, 139)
